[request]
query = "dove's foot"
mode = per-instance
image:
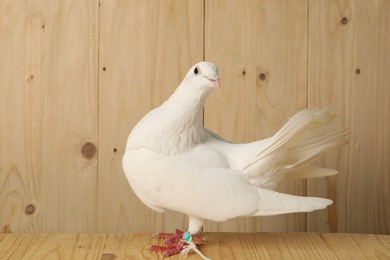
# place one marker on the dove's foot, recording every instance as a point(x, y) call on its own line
point(175, 243)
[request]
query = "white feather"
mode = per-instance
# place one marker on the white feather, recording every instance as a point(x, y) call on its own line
point(173, 162)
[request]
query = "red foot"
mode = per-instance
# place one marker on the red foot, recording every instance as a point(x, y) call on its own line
point(174, 242)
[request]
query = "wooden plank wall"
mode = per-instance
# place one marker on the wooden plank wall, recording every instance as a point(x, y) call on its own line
point(48, 97)
point(75, 76)
point(349, 63)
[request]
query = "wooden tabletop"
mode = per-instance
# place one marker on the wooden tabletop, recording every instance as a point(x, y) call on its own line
point(219, 246)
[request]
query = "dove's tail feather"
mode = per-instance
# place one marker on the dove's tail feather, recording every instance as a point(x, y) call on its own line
point(275, 203)
point(293, 148)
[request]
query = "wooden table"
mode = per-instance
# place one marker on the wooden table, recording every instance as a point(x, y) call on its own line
point(219, 246)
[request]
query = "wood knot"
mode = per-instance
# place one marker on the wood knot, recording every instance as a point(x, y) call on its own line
point(108, 257)
point(29, 77)
point(357, 71)
point(88, 150)
point(262, 76)
point(30, 209)
point(344, 20)
point(6, 229)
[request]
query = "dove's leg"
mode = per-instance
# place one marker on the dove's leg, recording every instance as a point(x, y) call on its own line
point(174, 243)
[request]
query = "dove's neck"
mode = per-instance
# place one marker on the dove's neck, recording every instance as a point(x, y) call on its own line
point(184, 123)
point(188, 105)
point(173, 128)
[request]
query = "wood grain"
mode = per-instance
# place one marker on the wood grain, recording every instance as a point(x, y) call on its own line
point(349, 53)
point(263, 69)
point(218, 246)
point(48, 112)
point(146, 47)
point(362, 246)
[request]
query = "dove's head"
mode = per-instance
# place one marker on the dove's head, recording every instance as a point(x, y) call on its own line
point(203, 75)
point(196, 85)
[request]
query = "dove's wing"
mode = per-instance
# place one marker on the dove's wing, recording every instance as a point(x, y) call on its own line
point(197, 183)
point(201, 185)
point(237, 155)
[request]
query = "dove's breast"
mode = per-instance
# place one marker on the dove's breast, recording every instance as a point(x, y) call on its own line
point(152, 174)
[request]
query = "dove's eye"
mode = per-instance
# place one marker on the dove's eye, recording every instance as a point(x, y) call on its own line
point(196, 71)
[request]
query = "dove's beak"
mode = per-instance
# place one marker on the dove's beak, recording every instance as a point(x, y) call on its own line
point(214, 79)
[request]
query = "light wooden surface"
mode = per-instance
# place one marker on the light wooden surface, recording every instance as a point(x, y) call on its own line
point(75, 76)
point(48, 94)
point(218, 246)
point(349, 66)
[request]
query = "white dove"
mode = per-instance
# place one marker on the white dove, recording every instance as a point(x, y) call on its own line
point(173, 162)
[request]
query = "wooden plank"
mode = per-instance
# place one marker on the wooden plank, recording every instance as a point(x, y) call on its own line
point(76, 246)
point(121, 67)
point(16, 49)
point(263, 68)
point(266, 246)
point(49, 82)
point(218, 246)
point(294, 246)
point(146, 48)
point(349, 54)
point(358, 246)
